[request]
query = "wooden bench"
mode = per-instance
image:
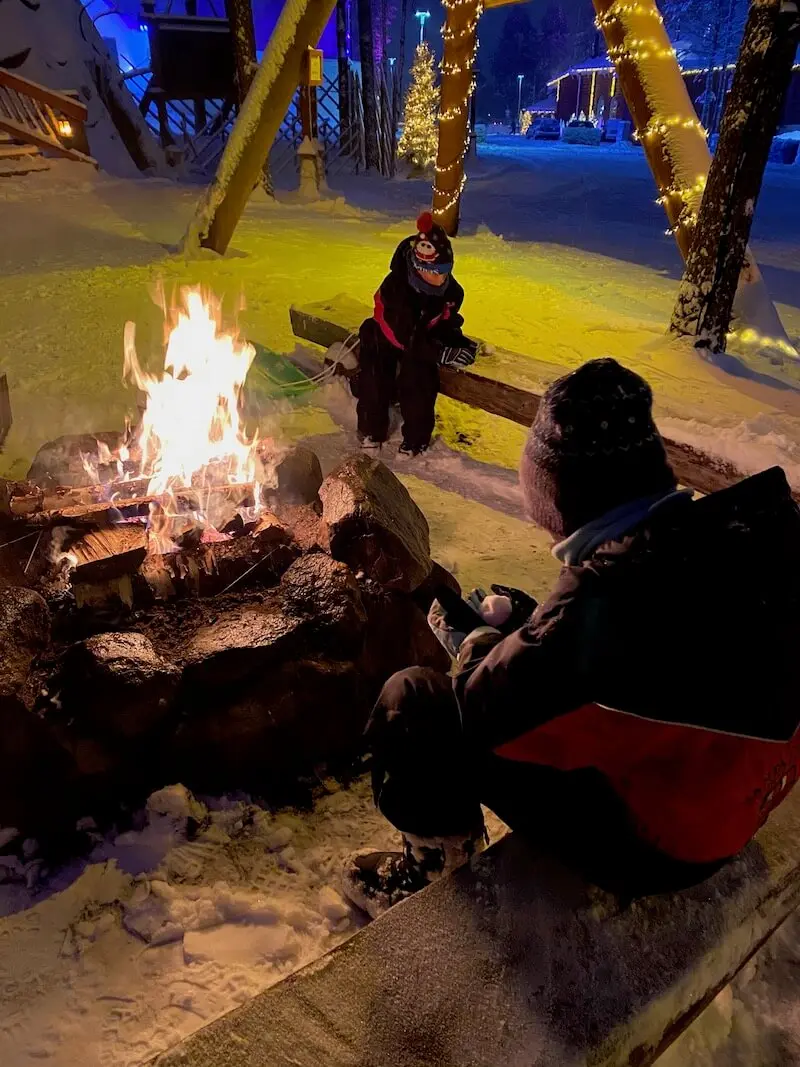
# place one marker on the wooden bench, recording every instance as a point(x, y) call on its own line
point(514, 962)
point(504, 383)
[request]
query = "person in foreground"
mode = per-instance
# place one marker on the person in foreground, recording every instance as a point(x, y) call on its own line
point(415, 328)
point(642, 723)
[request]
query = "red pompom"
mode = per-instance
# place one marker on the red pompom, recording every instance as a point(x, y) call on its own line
point(425, 222)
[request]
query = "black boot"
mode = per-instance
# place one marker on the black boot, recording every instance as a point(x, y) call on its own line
point(374, 881)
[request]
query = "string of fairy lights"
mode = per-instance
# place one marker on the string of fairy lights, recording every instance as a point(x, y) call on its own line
point(461, 109)
point(632, 49)
point(635, 49)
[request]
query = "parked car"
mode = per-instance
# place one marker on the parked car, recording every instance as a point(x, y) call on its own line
point(582, 131)
point(544, 130)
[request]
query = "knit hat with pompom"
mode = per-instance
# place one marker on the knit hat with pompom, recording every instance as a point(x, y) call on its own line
point(431, 249)
point(592, 447)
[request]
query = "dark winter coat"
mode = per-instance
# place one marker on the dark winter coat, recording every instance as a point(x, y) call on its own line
point(669, 662)
point(413, 321)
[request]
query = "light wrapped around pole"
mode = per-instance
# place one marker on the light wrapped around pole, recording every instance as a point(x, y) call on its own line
point(460, 36)
point(673, 137)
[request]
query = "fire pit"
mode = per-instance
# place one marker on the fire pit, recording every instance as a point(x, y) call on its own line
point(191, 601)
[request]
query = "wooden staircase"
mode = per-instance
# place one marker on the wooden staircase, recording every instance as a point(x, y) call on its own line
point(35, 122)
point(17, 157)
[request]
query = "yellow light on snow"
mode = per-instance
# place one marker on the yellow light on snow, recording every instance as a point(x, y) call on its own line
point(64, 128)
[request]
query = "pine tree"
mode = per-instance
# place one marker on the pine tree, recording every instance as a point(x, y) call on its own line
point(419, 140)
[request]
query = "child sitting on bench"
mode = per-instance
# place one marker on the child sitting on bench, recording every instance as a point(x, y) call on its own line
point(415, 328)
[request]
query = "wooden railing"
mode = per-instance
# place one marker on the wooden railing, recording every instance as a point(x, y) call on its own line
point(39, 116)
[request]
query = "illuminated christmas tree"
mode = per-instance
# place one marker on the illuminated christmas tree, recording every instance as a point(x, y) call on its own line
point(419, 139)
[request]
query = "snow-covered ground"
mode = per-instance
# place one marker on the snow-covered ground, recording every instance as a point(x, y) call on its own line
point(563, 259)
point(119, 959)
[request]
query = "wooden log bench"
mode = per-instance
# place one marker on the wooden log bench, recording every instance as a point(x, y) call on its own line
point(514, 962)
point(504, 383)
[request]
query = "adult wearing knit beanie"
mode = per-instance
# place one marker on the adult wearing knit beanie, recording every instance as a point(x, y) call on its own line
point(643, 722)
point(593, 446)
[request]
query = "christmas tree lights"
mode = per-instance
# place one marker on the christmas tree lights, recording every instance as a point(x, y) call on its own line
point(419, 138)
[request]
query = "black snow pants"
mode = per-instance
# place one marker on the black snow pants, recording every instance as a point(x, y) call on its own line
point(388, 374)
point(427, 782)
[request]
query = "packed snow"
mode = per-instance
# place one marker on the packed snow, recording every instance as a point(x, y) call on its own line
point(178, 918)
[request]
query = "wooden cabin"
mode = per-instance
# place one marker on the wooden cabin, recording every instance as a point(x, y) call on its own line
point(592, 88)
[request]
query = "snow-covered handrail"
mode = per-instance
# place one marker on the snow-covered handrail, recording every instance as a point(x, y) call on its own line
point(68, 106)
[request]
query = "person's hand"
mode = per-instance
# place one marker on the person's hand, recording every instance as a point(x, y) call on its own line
point(522, 606)
point(456, 357)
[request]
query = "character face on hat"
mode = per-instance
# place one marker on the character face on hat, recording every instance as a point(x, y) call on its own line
point(432, 253)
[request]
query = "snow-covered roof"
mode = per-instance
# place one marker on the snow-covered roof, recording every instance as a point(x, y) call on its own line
point(690, 63)
point(543, 106)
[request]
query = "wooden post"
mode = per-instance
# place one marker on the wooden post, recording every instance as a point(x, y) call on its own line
point(760, 84)
point(299, 27)
point(368, 86)
point(460, 45)
point(673, 137)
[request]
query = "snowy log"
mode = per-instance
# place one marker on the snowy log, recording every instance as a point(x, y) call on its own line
point(698, 470)
point(673, 138)
point(299, 27)
point(752, 112)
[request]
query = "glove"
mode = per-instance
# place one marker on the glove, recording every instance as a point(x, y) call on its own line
point(452, 627)
point(456, 357)
point(495, 609)
point(522, 607)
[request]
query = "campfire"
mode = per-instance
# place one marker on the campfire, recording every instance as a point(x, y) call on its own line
point(179, 501)
point(189, 601)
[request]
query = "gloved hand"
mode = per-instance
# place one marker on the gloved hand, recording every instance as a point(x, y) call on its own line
point(507, 610)
point(522, 606)
point(456, 357)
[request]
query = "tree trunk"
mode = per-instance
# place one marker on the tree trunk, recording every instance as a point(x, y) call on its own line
point(243, 35)
point(345, 113)
point(460, 45)
point(299, 27)
point(399, 73)
point(673, 137)
point(368, 86)
point(719, 249)
point(240, 16)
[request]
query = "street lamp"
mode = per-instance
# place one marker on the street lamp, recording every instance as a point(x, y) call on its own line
point(520, 78)
point(423, 17)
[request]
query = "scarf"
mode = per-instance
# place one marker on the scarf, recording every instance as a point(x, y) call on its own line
point(580, 545)
point(416, 281)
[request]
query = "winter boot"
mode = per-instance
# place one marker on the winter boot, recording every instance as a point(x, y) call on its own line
point(369, 445)
point(406, 449)
point(375, 881)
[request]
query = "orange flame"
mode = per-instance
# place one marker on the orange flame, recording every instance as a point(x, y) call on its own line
point(191, 431)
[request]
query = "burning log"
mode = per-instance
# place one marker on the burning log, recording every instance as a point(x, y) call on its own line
point(209, 568)
point(107, 553)
point(18, 500)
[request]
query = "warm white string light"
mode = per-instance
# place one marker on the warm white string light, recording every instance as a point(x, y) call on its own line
point(457, 111)
point(619, 10)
